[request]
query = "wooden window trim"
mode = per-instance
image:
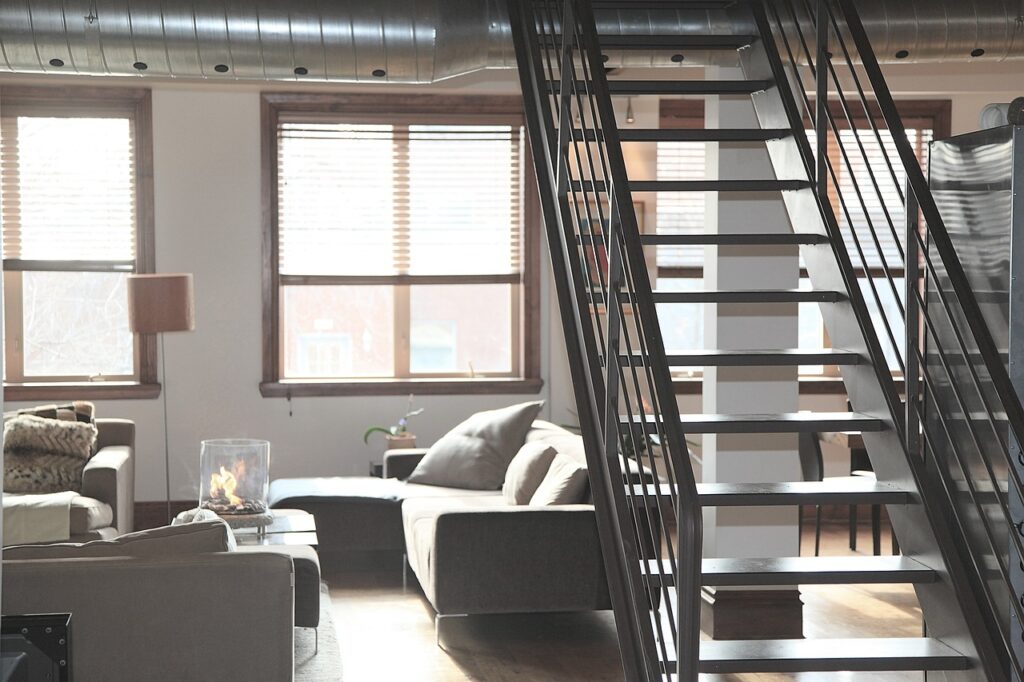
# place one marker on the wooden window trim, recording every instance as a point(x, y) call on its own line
point(363, 107)
point(101, 101)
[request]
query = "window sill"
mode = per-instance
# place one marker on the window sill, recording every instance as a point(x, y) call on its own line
point(81, 390)
point(303, 389)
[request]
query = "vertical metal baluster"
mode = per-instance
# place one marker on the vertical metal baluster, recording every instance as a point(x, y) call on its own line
point(912, 272)
point(821, 103)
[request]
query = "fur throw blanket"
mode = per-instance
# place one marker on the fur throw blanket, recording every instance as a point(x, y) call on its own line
point(76, 411)
point(46, 455)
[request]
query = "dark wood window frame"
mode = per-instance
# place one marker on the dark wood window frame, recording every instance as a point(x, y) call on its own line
point(137, 104)
point(273, 106)
point(689, 113)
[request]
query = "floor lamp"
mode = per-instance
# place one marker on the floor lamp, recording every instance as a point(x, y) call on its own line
point(158, 304)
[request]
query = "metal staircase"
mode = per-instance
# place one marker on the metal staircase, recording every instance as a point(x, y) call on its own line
point(648, 503)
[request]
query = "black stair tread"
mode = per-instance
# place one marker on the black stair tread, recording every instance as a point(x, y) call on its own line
point(852, 490)
point(786, 422)
point(674, 87)
point(755, 358)
point(841, 491)
point(691, 134)
point(672, 41)
point(886, 654)
point(698, 185)
point(736, 296)
point(746, 296)
point(733, 239)
point(810, 570)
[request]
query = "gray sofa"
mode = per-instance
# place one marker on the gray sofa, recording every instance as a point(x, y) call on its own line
point(163, 616)
point(471, 552)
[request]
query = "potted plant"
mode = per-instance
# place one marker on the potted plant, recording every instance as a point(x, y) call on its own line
point(397, 435)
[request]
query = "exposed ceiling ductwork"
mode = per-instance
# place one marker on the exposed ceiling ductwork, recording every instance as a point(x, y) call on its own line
point(407, 40)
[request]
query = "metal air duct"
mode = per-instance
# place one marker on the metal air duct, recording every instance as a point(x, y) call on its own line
point(408, 40)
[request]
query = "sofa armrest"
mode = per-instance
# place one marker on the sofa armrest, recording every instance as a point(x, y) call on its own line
point(517, 559)
point(225, 616)
point(399, 463)
point(115, 432)
point(110, 477)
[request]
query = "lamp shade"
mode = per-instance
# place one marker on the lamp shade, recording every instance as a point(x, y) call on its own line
point(160, 303)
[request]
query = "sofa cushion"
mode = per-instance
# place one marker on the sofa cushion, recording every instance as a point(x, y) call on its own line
point(285, 491)
point(476, 453)
point(190, 538)
point(419, 519)
point(565, 483)
point(88, 513)
point(526, 472)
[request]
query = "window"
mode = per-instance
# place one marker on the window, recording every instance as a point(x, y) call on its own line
point(76, 210)
point(400, 258)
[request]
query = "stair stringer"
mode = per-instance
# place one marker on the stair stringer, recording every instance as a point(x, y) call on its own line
point(950, 610)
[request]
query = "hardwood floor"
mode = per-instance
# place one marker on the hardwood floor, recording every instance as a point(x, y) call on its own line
point(386, 634)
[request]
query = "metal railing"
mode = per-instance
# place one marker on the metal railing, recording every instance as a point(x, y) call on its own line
point(644, 489)
point(962, 417)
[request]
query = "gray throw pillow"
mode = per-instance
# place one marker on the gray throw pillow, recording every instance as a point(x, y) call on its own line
point(565, 483)
point(476, 453)
point(525, 473)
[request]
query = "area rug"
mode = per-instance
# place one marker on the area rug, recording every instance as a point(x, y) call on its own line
point(324, 665)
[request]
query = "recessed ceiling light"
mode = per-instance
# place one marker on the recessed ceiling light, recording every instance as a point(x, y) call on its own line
point(977, 52)
point(57, 62)
point(141, 66)
point(677, 58)
point(301, 70)
point(221, 68)
point(380, 73)
point(604, 59)
point(902, 54)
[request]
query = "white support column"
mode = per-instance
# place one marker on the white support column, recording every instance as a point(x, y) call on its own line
point(765, 531)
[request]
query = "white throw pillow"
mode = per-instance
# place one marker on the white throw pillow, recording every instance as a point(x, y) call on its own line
point(526, 472)
point(565, 483)
point(476, 453)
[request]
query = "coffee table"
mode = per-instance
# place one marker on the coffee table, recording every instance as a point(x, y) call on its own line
point(289, 527)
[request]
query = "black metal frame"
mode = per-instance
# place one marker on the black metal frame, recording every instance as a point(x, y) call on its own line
point(617, 357)
point(836, 24)
point(620, 372)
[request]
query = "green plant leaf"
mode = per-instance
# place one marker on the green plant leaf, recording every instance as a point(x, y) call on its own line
point(375, 429)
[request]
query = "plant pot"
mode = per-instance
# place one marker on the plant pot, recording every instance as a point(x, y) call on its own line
point(405, 440)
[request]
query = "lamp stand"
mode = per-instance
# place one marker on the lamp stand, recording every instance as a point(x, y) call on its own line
point(167, 448)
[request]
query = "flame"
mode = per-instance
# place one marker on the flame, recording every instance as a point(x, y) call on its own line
point(223, 484)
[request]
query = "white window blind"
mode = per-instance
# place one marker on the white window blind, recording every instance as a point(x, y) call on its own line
point(68, 190)
point(368, 199)
point(680, 212)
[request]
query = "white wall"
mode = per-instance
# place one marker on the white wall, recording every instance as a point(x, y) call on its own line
point(207, 175)
point(208, 222)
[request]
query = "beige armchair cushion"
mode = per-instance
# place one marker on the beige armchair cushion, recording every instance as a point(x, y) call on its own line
point(88, 513)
